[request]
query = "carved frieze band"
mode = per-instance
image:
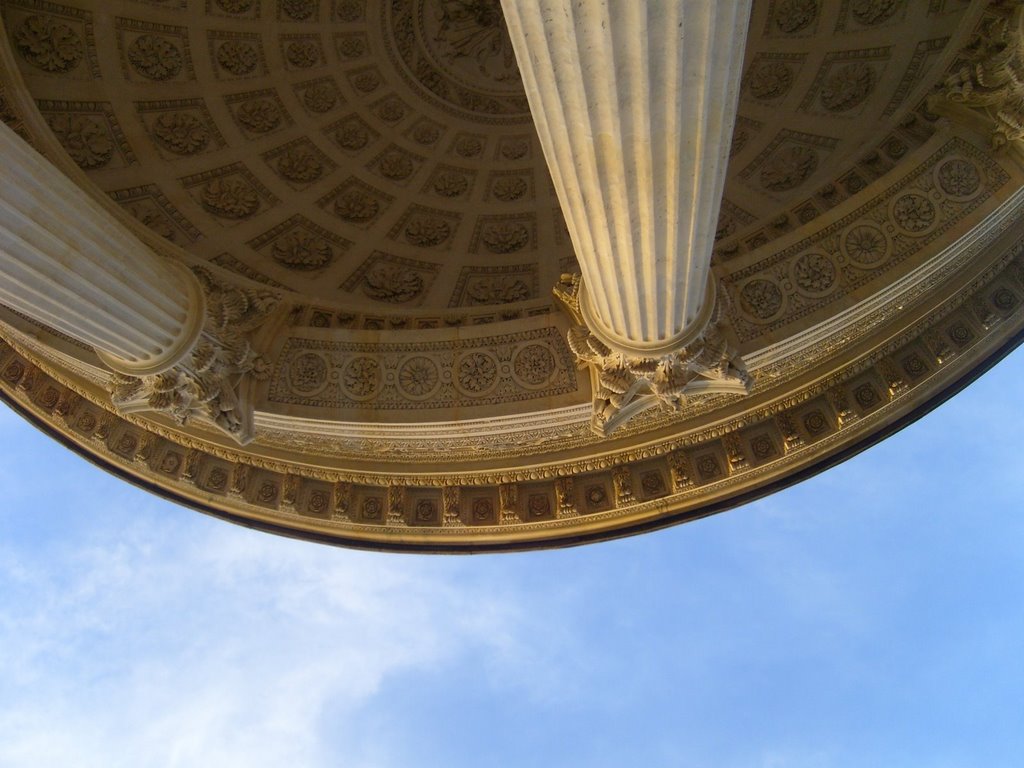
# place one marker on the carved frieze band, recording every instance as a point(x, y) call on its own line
point(472, 372)
point(791, 431)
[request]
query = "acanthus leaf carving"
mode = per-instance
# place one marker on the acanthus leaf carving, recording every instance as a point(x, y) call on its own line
point(991, 81)
point(208, 382)
point(625, 385)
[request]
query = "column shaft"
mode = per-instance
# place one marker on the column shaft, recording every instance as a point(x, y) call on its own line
point(66, 262)
point(634, 103)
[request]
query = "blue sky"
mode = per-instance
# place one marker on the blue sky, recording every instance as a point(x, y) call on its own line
point(873, 615)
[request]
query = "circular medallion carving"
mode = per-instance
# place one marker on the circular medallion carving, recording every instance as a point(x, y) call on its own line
point(477, 372)
point(48, 45)
point(230, 198)
point(319, 98)
point(361, 377)
point(505, 238)
point(300, 164)
point(847, 87)
point(770, 80)
point(85, 139)
point(533, 364)
point(299, 250)
point(236, 6)
point(761, 298)
point(181, 133)
point(259, 116)
point(307, 373)
point(865, 245)
point(459, 55)
point(913, 212)
point(814, 273)
point(237, 57)
point(794, 15)
point(418, 376)
point(155, 57)
point(356, 206)
point(958, 178)
point(392, 282)
point(450, 184)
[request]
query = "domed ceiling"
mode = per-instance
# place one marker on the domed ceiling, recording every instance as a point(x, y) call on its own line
point(375, 166)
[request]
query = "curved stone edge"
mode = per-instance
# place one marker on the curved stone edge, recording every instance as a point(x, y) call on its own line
point(831, 419)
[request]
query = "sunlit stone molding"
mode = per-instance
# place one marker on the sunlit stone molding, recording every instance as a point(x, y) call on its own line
point(175, 339)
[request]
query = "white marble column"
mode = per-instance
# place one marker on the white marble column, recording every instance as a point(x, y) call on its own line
point(66, 262)
point(177, 340)
point(635, 102)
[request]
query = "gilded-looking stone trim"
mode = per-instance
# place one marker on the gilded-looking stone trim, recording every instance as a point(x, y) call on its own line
point(427, 375)
point(548, 504)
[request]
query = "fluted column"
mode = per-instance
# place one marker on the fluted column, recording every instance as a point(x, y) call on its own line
point(68, 263)
point(635, 103)
point(176, 339)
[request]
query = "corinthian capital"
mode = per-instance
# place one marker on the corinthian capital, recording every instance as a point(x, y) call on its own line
point(625, 385)
point(211, 381)
point(991, 81)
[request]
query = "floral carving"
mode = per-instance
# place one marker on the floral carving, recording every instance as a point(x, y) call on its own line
point(391, 110)
point(236, 6)
point(237, 57)
point(302, 53)
point(814, 273)
point(426, 134)
point(515, 149)
point(259, 116)
point(207, 382)
point(307, 372)
point(497, 290)
point(418, 376)
point(958, 177)
point(789, 168)
point(992, 76)
point(396, 166)
point(319, 98)
point(366, 82)
point(761, 298)
point(505, 238)
point(534, 364)
point(299, 250)
point(230, 198)
point(771, 80)
point(913, 212)
point(300, 164)
point(181, 133)
point(469, 146)
point(361, 376)
point(865, 244)
point(509, 188)
point(392, 282)
point(351, 136)
point(155, 57)
point(869, 12)
point(450, 184)
point(625, 385)
point(427, 231)
point(356, 206)
point(847, 87)
point(351, 47)
point(350, 10)
point(48, 44)
point(477, 372)
point(299, 10)
point(86, 139)
point(794, 15)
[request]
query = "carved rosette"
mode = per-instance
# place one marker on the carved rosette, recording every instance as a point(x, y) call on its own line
point(210, 382)
point(625, 385)
point(991, 81)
